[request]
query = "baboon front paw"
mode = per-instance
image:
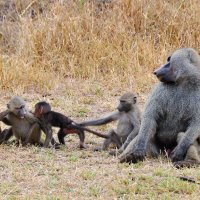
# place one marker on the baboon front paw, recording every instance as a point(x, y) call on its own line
point(133, 157)
point(177, 156)
point(181, 164)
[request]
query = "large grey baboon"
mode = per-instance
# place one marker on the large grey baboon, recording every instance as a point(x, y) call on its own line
point(173, 107)
point(128, 116)
point(24, 126)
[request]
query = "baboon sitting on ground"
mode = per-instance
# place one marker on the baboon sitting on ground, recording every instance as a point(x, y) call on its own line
point(128, 116)
point(24, 126)
point(173, 107)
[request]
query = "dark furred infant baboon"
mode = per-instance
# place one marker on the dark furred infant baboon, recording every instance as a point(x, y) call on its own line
point(173, 107)
point(24, 126)
point(50, 118)
point(192, 157)
point(128, 116)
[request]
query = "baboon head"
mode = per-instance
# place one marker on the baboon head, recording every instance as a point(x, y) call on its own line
point(183, 64)
point(17, 106)
point(41, 108)
point(126, 102)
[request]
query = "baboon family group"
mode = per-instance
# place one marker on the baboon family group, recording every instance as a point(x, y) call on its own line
point(170, 123)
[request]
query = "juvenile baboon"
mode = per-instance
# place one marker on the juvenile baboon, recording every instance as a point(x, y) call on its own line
point(50, 118)
point(192, 157)
point(173, 107)
point(24, 126)
point(128, 116)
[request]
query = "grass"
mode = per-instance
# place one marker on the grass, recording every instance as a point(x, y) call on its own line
point(70, 173)
point(34, 174)
point(80, 56)
point(120, 42)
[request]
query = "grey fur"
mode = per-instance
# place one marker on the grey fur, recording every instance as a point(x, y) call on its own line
point(127, 126)
point(170, 109)
point(192, 157)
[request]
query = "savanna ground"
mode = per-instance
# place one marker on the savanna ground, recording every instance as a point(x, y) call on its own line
point(80, 56)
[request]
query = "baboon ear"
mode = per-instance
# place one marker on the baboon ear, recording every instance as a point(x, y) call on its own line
point(190, 57)
point(8, 106)
point(193, 57)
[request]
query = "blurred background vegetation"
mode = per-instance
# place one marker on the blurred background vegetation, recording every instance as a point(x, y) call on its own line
point(46, 43)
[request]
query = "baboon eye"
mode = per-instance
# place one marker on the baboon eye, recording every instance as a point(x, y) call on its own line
point(168, 59)
point(21, 107)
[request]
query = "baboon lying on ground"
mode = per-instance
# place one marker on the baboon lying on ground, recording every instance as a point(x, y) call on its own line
point(192, 157)
point(173, 107)
point(128, 116)
point(49, 118)
point(24, 126)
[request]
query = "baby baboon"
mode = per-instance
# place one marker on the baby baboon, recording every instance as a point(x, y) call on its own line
point(192, 157)
point(67, 126)
point(173, 107)
point(128, 116)
point(24, 126)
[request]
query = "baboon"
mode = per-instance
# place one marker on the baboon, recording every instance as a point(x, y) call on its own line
point(128, 116)
point(173, 107)
point(24, 126)
point(67, 126)
point(3, 133)
point(192, 157)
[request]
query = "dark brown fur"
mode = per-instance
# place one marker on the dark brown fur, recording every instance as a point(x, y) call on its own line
point(67, 126)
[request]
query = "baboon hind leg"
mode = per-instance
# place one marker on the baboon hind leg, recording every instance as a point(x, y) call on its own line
point(113, 138)
point(81, 135)
point(34, 136)
point(61, 136)
point(6, 134)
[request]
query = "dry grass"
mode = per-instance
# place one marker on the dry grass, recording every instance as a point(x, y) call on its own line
point(70, 173)
point(121, 41)
point(81, 56)
point(35, 173)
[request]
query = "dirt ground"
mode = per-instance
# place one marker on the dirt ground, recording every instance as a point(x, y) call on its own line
point(70, 173)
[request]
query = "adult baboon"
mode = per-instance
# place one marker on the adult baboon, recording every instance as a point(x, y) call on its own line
point(173, 107)
point(192, 157)
point(128, 116)
point(24, 126)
